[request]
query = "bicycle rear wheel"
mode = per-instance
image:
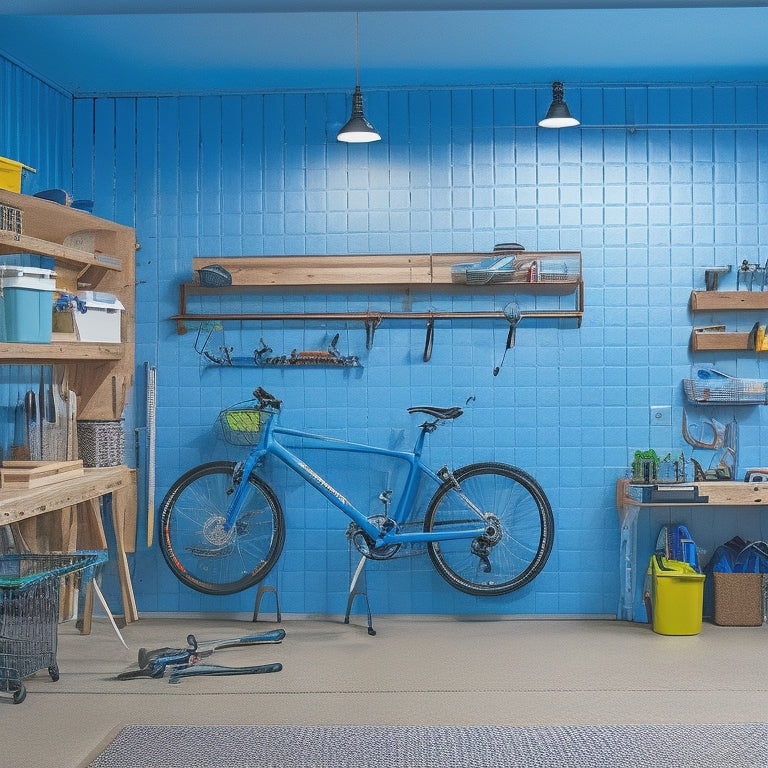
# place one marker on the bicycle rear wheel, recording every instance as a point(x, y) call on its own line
point(197, 548)
point(520, 515)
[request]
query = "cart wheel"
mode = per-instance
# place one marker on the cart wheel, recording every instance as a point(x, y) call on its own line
point(19, 694)
point(53, 671)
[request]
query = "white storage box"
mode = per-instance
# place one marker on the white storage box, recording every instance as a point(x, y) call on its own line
point(101, 320)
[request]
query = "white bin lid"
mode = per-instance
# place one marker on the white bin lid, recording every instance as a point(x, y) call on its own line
point(12, 270)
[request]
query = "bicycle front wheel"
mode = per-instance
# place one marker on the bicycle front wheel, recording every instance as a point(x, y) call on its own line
point(520, 525)
point(195, 543)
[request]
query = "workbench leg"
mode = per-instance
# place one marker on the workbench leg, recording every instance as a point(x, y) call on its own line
point(90, 535)
point(120, 498)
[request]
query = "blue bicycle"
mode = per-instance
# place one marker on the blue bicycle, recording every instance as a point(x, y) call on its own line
point(488, 527)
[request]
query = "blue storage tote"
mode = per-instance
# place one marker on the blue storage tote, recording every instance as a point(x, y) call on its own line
point(27, 298)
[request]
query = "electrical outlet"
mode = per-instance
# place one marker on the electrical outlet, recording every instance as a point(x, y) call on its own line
point(661, 415)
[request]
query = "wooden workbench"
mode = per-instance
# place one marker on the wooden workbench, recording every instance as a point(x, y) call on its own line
point(725, 495)
point(66, 516)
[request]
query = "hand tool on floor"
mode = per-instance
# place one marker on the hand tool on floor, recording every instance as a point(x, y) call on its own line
point(153, 663)
point(198, 670)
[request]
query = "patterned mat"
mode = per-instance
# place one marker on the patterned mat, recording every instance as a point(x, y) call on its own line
point(736, 745)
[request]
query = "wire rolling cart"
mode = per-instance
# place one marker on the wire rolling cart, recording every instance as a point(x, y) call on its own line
point(29, 612)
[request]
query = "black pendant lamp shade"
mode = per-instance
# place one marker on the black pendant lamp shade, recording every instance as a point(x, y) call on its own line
point(558, 114)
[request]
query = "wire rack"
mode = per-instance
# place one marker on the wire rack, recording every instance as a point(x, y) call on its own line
point(731, 390)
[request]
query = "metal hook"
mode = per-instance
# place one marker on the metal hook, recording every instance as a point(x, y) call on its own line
point(428, 343)
point(371, 324)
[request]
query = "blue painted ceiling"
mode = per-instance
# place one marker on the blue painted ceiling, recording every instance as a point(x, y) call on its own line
point(176, 46)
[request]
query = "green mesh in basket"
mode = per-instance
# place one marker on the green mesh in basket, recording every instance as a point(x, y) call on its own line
point(242, 426)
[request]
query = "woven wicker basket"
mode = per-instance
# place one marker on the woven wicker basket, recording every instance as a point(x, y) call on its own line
point(738, 599)
point(101, 443)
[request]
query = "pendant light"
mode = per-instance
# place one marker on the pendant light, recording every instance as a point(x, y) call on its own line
point(558, 115)
point(357, 130)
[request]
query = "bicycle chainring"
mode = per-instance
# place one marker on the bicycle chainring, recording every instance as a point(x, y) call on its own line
point(366, 546)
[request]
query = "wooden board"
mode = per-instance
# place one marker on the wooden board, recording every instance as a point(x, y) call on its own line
point(35, 474)
point(323, 270)
point(707, 301)
point(701, 342)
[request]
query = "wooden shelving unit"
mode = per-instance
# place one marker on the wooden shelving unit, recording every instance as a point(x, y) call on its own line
point(101, 254)
point(409, 272)
point(726, 301)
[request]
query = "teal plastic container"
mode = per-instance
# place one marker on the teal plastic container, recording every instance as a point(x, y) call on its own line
point(28, 305)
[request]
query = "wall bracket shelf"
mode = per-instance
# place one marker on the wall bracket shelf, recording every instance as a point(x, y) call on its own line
point(343, 273)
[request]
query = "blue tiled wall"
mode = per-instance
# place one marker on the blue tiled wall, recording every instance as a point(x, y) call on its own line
point(458, 170)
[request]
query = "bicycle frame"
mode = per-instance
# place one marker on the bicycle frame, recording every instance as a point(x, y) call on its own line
point(269, 445)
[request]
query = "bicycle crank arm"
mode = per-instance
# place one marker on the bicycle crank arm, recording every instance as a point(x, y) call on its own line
point(199, 670)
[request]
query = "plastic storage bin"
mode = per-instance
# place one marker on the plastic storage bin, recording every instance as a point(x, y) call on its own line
point(678, 597)
point(10, 174)
point(27, 304)
point(101, 320)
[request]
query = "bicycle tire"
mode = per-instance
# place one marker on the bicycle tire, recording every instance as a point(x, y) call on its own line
point(526, 536)
point(197, 549)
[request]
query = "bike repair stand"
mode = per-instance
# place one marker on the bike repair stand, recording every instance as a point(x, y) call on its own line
point(357, 587)
point(264, 588)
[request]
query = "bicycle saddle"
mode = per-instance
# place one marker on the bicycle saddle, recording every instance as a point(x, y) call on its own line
point(438, 413)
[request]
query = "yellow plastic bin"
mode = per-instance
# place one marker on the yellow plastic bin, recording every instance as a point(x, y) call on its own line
point(10, 174)
point(678, 597)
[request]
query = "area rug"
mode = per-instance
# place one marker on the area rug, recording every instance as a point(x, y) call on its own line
point(617, 746)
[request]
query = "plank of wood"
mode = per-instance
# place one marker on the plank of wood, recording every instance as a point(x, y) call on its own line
point(707, 301)
point(373, 269)
point(19, 503)
point(34, 474)
point(719, 341)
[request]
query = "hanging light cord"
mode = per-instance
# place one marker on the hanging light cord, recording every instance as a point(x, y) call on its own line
point(357, 49)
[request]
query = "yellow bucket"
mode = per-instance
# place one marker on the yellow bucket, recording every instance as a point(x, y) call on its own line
point(10, 174)
point(678, 597)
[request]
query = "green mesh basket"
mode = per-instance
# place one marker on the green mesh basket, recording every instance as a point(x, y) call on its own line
point(242, 425)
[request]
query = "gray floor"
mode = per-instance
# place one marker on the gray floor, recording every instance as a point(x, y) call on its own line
point(426, 671)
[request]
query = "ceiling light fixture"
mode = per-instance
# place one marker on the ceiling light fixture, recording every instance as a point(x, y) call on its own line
point(357, 130)
point(558, 115)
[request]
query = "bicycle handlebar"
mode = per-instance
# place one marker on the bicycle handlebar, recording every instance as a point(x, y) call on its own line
point(266, 400)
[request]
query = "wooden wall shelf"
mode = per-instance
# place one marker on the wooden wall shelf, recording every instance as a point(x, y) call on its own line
point(711, 301)
point(724, 301)
point(324, 274)
point(719, 341)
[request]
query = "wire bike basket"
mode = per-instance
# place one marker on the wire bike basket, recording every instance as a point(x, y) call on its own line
point(243, 423)
point(29, 612)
